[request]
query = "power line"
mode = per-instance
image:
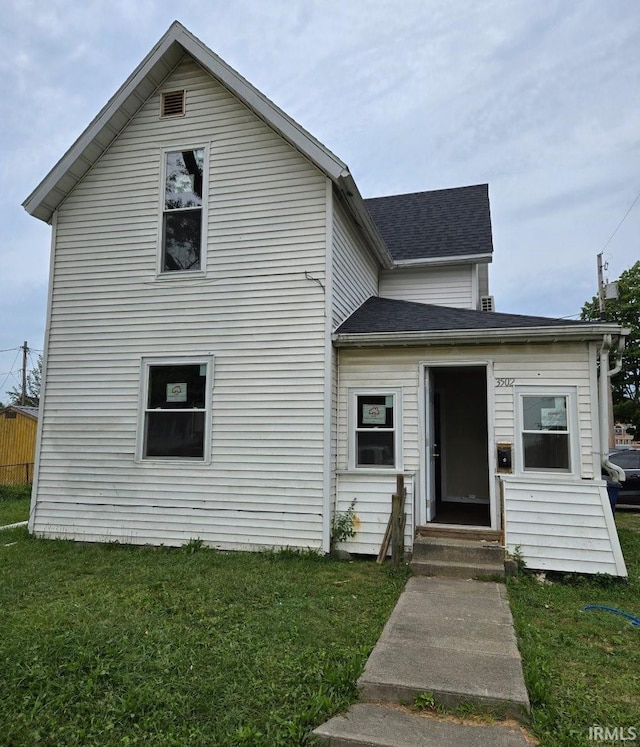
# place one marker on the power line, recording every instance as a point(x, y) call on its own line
point(11, 371)
point(621, 222)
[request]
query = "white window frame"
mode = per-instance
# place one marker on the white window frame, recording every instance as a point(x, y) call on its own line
point(353, 394)
point(571, 395)
point(180, 360)
point(174, 274)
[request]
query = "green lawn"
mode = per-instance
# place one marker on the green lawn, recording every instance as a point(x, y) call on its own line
point(116, 645)
point(14, 503)
point(582, 668)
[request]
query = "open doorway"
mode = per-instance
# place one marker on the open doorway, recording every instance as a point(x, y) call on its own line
point(457, 487)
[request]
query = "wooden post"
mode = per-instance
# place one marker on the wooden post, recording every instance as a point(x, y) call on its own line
point(398, 521)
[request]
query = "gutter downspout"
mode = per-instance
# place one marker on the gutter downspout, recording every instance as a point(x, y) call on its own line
point(616, 473)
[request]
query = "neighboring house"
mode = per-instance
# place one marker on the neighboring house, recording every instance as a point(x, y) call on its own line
point(623, 437)
point(238, 345)
point(18, 430)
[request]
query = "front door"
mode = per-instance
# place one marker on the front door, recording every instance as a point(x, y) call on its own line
point(457, 487)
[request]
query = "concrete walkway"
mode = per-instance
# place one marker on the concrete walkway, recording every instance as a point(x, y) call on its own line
point(450, 638)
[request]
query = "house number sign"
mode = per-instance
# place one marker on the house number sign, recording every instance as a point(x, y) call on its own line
point(505, 382)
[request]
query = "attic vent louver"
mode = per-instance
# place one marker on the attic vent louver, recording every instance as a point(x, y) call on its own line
point(486, 303)
point(173, 104)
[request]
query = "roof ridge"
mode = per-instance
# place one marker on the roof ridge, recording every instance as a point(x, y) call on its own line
point(428, 191)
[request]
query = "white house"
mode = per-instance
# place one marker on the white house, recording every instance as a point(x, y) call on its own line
point(238, 345)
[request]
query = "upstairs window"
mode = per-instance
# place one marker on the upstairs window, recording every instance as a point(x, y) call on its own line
point(183, 209)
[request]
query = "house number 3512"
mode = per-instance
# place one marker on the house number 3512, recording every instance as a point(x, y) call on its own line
point(505, 382)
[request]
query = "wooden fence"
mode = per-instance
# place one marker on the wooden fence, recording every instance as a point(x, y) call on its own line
point(16, 474)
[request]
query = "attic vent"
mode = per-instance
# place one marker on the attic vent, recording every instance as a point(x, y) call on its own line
point(173, 104)
point(486, 303)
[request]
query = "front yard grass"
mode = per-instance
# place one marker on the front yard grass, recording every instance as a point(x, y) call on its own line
point(117, 645)
point(582, 669)
point(14, 503)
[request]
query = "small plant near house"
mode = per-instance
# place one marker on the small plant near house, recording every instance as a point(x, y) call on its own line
point(344, 525)
point(518, 559)
point(192, 546)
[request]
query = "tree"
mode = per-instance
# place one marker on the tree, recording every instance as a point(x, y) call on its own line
point(624, 310)
point(34, 379)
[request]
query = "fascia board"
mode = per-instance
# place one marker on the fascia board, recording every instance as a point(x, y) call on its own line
point(169, 50)
point(355, 203)
point(477, 337)
point(431, 262)
point(161, 51)
point(275, 117)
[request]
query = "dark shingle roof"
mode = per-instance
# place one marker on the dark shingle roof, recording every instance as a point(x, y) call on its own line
point(428, 225)
point(388, 315)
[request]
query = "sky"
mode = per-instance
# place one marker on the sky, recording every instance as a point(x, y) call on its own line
point(539, 100)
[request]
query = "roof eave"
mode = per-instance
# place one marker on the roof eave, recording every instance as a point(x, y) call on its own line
point(20, 410)
point(124, 104)
point(355, 202)
point(478, 336)
point(460, 259)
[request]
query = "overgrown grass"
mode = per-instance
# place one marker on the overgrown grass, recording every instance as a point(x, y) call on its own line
point(581, 668)
point(116, 645)
point(14, 503)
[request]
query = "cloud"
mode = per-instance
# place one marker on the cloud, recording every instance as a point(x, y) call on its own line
point(538, 99)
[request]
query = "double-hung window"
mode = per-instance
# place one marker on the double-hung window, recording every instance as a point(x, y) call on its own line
point(183, 210)
point(547, 430)
point(375, 429)
point(176, 409)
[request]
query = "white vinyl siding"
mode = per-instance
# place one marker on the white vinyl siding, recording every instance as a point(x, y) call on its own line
point(512, 366)
point(254, 310)
point(562, 526)
point(355, 271)
point(483, 279)
point(443, 286)
point(372, 495)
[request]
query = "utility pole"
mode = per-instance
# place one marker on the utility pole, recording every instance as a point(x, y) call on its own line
point(25, 350)
point(601, 291)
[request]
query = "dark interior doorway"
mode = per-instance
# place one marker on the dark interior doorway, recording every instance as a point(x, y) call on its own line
point(460, 463)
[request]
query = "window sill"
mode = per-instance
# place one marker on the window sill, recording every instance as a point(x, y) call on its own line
point(540, 477)
point(174, 461)
point(180, 275)
point(366, 472)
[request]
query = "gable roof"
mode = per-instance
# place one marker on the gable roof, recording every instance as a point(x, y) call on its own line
point(142, 83)
point(30, 412)
point(452, 224)
point(385, 320)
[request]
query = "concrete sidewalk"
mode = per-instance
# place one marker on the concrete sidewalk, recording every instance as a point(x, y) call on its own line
point(453, 639)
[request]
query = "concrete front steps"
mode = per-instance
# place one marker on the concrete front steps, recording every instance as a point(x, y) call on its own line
point(452, 640)
point(457, 552)
point(379, 725)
